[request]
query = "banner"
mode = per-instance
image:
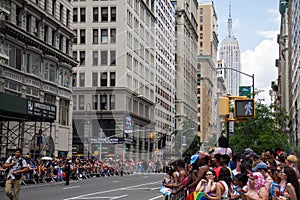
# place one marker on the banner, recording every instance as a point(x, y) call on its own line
point(128, 124)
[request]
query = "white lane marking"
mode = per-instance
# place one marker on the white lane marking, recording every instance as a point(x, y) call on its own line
point(115, 181)
point(113, 190)
point(145, 176)
point(156, 197)
point(66, 188)
point(119, 197)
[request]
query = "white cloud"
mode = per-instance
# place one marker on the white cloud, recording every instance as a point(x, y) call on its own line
point(267, 34)
point(261, 63)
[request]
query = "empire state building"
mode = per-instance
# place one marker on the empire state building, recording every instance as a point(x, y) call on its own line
point(230, 53)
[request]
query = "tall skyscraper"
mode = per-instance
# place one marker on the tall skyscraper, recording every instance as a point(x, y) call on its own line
point(186, 67)
point(230, 53)
point(294, 67)
point(114, 84)
point(165, 76)
point(206, 73)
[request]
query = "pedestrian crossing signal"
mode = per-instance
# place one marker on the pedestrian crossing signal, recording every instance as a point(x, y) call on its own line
point(244, 108)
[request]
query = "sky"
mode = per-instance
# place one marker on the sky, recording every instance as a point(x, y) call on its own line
point(256, 24)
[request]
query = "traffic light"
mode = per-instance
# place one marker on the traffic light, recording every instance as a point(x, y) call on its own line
point(244, 108)
point(223, 106)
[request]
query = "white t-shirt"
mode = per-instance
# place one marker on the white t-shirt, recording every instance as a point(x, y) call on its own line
point(222, 151)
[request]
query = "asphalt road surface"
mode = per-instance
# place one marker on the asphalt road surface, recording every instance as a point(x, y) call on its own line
point(139, 186)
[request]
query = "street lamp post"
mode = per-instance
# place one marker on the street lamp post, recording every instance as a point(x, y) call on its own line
point(88, 105)
point(252, 76)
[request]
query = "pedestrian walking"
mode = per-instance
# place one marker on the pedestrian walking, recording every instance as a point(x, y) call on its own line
point(16, 166)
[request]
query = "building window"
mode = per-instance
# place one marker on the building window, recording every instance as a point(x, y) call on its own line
point(95, 58)
point(201, 27)
point(95, 79)
point(104, 36)
point(113, 35)
point(75, 36)
point(74, 80)
point(64, 77)
point(82, 36)
point(75, 15)
point(46, 32)
point(49, 71)
point(61, 42)
point(201, 11)
point(103, 102)
point(74, 102)
point(112, 78)
point(104, 14)
point(82, 14)
point(103, 58)
point(82, 57)
point(64, 112)
point(61, 12)
point(33, 64)
point(95, 14)
point(68, 18)
point(75, 55)
point(95, 36)
point(81, 79)
point(53, 7)
point(113, 14)
point(112, 102)
point(104, 79)
point(81, 102)
point(112, 57)
point(95, 102)
point(201, 19)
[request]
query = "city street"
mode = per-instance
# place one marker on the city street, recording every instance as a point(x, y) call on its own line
point(130, 187)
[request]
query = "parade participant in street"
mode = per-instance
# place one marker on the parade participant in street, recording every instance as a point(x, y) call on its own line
point(17, 165)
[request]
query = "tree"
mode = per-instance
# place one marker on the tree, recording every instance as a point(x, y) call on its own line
point(265, 131)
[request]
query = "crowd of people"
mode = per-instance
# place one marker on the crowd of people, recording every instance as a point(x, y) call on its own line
point(222, 174)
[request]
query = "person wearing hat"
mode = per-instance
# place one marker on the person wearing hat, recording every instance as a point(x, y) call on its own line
point(263, 169)
point(291, 161)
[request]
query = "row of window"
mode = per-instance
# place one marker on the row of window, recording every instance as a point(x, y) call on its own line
point(106, 36)
point(42, 30)
point(107, 58)
point(106, 14)
point(35, 65)
point(107, 79)
point(99, 102)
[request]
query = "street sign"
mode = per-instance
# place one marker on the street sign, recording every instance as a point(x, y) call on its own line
point(231, 124)
point(245, 91)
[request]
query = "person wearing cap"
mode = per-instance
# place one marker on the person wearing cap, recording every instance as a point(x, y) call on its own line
point(291, 161)
point(263, 169)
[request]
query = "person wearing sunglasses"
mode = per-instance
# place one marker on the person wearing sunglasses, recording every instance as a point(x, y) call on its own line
point(207, 184)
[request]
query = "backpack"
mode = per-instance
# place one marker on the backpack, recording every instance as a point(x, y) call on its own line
point(19, 176)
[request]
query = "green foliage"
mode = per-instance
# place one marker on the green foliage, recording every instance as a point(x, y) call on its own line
point(265, 131)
